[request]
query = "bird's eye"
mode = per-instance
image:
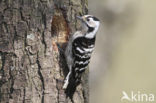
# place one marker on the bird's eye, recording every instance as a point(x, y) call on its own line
point(88, 19)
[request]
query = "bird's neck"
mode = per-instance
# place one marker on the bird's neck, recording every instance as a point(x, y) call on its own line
point(91, 33)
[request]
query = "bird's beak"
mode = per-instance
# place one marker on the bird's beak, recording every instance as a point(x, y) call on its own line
point(80, 18)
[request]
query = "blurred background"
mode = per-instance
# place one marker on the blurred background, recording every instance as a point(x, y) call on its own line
point(125, 55)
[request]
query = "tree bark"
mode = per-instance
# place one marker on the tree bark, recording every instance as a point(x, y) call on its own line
point(32, 69)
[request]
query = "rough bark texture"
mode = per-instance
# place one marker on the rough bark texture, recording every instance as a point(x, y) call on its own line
point(31, 67)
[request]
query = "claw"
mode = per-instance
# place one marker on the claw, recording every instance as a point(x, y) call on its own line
point(59, 48)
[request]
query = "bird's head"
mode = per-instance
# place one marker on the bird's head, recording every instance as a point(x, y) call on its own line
point(90, 21)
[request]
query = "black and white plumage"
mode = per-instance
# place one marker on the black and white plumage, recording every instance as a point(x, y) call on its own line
point(80, 48)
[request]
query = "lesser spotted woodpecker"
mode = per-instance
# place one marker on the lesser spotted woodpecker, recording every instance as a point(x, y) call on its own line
point(80, 47)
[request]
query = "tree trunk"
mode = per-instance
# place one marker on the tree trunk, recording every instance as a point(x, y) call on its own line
point(31, 67)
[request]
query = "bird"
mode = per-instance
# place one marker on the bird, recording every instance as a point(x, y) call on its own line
point(80, 47)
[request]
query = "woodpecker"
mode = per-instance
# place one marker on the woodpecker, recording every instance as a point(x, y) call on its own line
point(80, 47)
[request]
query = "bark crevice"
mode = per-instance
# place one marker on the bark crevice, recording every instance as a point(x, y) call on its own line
point(41, 78)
